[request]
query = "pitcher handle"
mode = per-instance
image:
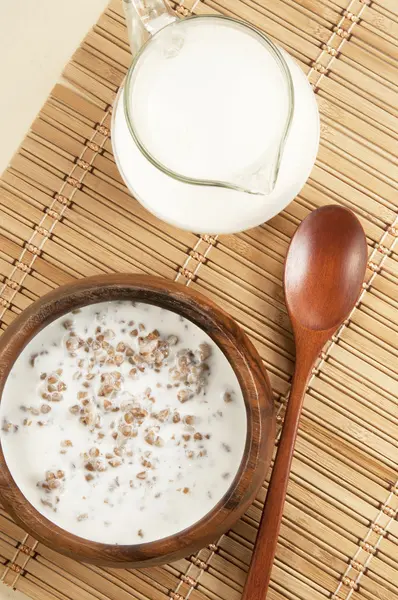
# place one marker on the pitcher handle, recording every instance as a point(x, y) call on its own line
point(144, 18)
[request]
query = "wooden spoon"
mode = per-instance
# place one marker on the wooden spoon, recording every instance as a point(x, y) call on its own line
point(324, 271)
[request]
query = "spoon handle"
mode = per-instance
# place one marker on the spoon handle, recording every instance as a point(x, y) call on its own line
point(265, 547)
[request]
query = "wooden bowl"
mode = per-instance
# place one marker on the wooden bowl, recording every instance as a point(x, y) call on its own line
point(255, 388)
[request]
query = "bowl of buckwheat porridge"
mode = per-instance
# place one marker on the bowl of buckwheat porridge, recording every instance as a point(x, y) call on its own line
point(137, 421)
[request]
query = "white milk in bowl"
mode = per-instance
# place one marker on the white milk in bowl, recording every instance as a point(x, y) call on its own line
point(123, 423)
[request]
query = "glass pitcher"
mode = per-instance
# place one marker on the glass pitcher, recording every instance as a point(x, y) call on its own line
point(209, 100)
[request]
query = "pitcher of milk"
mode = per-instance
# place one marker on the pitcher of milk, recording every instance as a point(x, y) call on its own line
point(216, 128)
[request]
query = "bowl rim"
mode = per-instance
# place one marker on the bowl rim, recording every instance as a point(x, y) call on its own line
point(253, 381)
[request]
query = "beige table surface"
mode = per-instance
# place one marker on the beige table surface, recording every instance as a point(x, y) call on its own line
point(37, 37)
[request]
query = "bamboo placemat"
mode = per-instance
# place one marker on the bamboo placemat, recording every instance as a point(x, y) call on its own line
point(65, 213)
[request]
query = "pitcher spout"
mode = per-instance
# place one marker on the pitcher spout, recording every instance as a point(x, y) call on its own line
point(262, 180)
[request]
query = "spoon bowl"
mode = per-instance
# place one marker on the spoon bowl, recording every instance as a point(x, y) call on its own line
point(324, 271)
point(325, 267)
